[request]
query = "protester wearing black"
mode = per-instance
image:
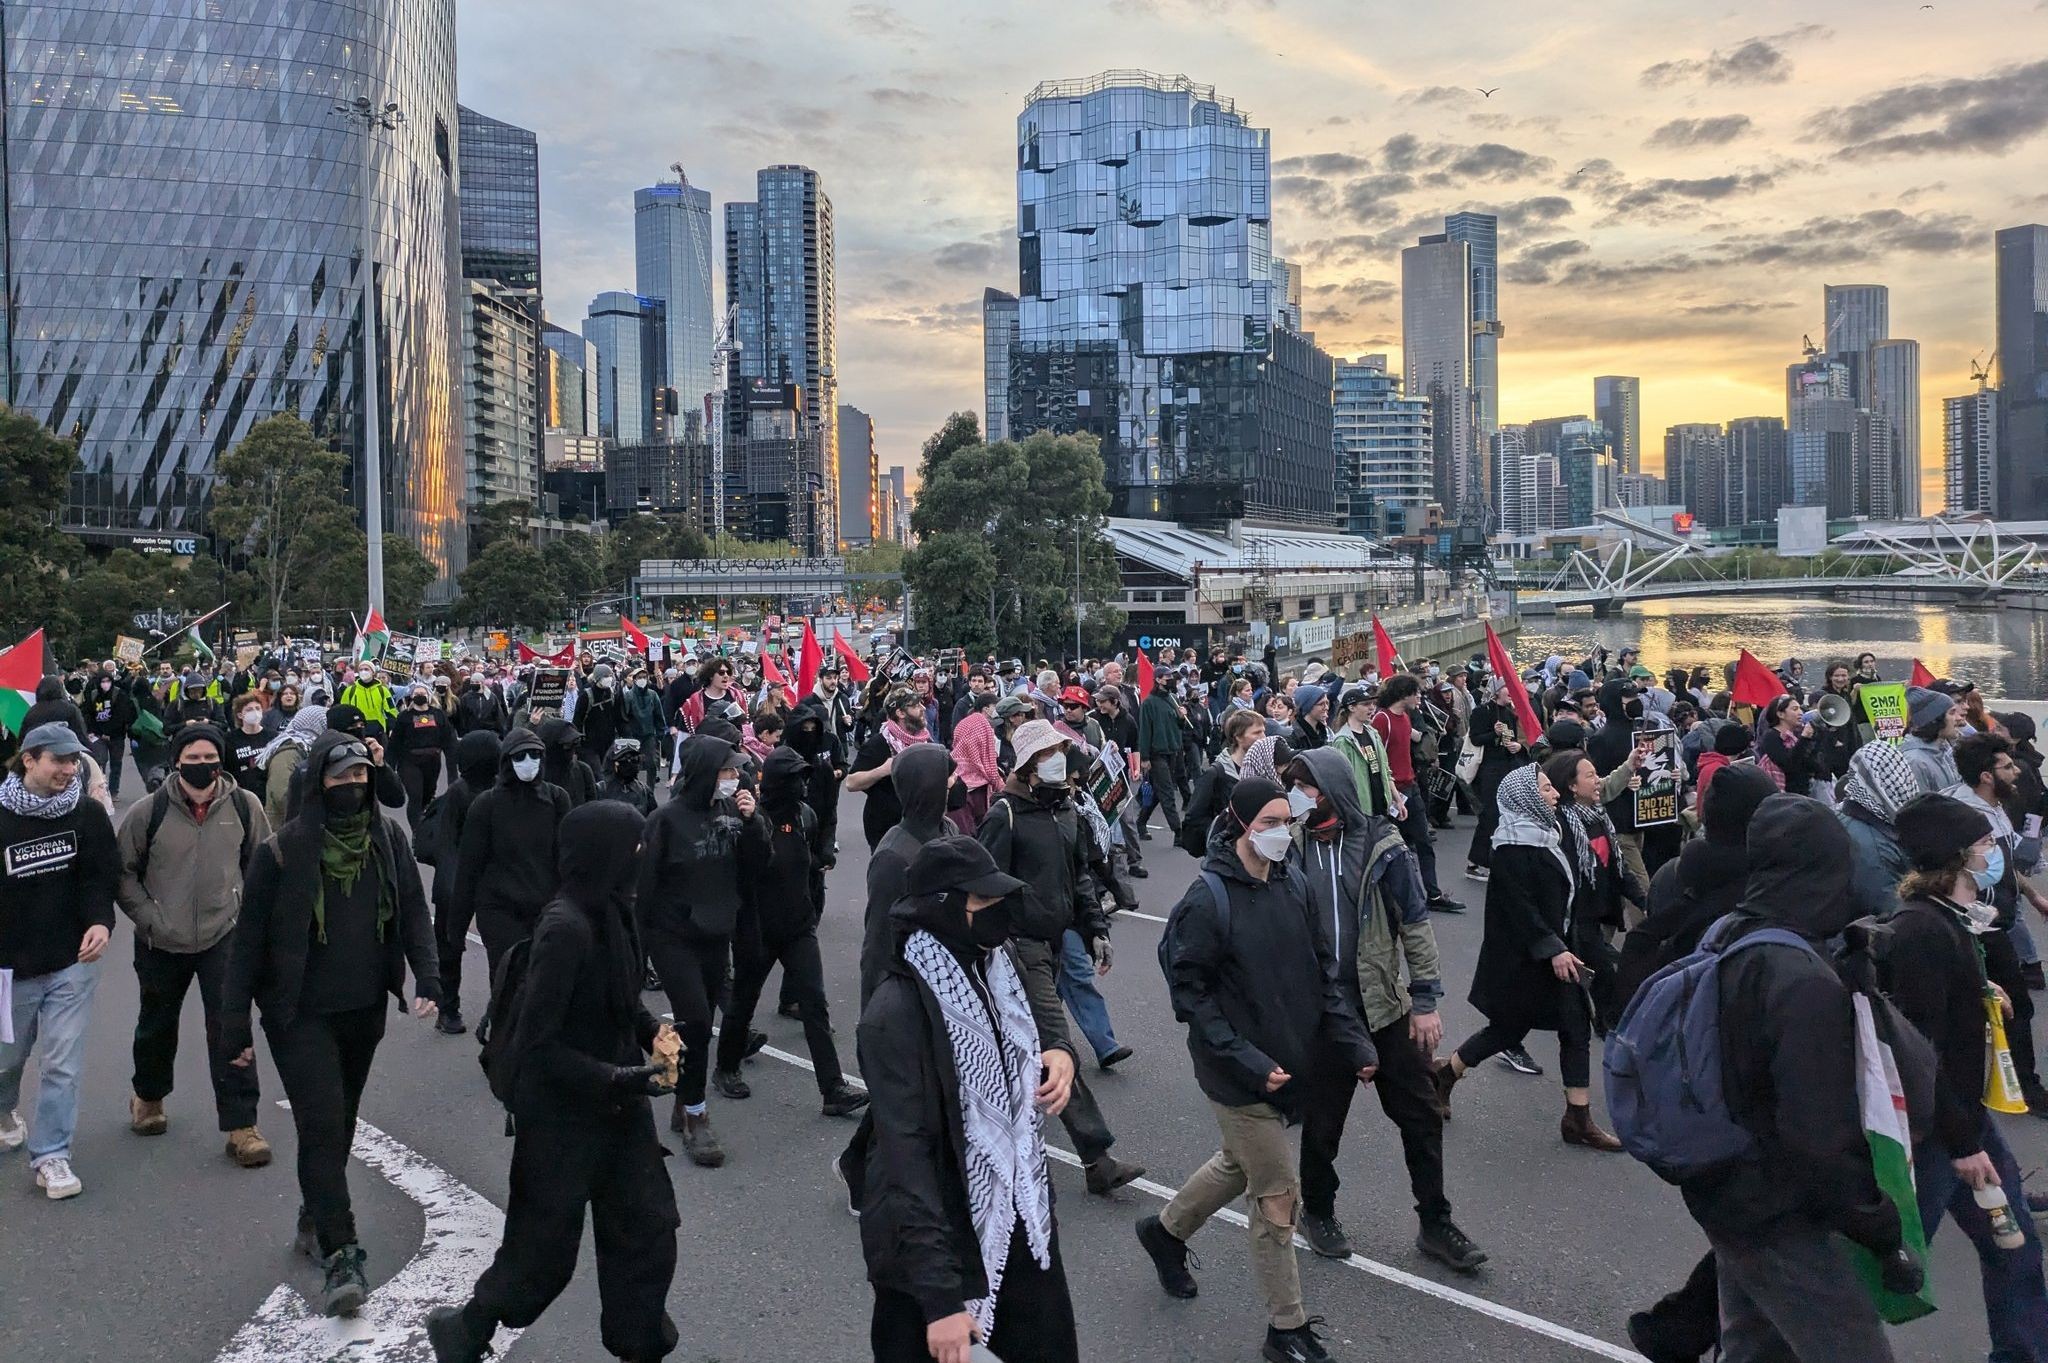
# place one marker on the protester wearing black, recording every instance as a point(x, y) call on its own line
point(332, 916)
point(957, 1227)
point(1495, 728)
point(621, 780)
point(477, 756)
point(421, 737)
point(809, 732)
point(1704, 882)
point(562, 763)
point(902, 724)
point(109, 712)
point(584, 1127)
point(789, 898)
point(644, 719)
point(699, 850)
point(597, 717)
point(479, 709)
point(505, 872)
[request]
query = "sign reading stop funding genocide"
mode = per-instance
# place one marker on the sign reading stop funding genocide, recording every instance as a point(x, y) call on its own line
point(1886, 706)
point(1657, 797)
point(550, 685)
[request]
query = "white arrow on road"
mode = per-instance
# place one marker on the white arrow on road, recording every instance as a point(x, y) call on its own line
point(463, 1232)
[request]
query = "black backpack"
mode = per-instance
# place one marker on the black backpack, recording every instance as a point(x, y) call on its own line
point(426, 842)
point(159, 810)
point(499, 1046)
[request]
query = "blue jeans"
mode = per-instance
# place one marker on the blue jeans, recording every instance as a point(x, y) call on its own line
point(55, 1008)
point(2015, 1299)
point(2023, 941)
point(1083, 999)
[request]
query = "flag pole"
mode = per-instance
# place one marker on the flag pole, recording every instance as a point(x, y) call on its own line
point(185, 629)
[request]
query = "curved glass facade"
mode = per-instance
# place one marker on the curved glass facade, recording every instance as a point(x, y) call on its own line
point(184, 231)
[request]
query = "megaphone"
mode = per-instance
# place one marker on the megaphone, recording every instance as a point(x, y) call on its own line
point(1833, 710)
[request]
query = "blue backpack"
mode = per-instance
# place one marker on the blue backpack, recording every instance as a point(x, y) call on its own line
point(1663, 1062)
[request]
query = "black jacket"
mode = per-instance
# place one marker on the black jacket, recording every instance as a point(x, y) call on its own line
point(561, 762)
point(697, 851)
point(921, 772)
point(1033, 835)
point(634, 794)
point(1610, 747)
point(476, 771)
point(480, 709)
point(1528, 921)
point(274, 936)
point(1256, 983)
point(1935, 977)
point(422, 736)
point(1688, 894)
point(57, 881)
point(790, 893)
point(1788, 1047)
point(509, 841)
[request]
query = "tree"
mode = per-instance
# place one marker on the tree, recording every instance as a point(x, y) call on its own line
point(108, 593)
point(961, 431)
point(510, 585)
point(575, 565)
point(337, 582)
point(732, 546)
point(278, 502)
point(35, 472)
point(885, 556)
point(954, 576)
point(497, 521)
point(645, 536)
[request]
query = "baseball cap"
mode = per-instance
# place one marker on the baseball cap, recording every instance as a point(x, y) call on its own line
point(958, 863)
point(52, 740)
point(1074, 695)
point(345, 756)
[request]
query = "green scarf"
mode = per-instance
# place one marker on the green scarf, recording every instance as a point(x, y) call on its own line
point(345, 849)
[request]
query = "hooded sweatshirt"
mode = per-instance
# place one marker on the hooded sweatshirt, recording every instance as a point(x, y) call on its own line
point(920, 773)
point(1788, 1047)
point(1881, 782)
point(791, 892)
point(509, 839)
point(561, 762)
point(1705, 881)
point(698, 851)
point(476, 771)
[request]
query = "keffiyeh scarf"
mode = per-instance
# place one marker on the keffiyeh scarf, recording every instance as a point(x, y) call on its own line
point(1881, 781)
point(16, 798)
point(974, 752)
point(897, 737)
point(1588, 823)
point(308, 724)
point(1526, 821)
point(1258, 762)
point(998, 1070)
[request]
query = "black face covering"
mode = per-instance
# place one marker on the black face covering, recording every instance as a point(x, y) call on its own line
point(991, 927)
point(199, 775)
point(345, 801)
point(627, 769)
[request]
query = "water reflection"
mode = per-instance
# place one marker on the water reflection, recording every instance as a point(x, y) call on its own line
point(2005, 652)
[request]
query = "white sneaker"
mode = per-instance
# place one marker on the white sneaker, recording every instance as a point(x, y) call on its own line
point(13, 1131)
point(55, 1178)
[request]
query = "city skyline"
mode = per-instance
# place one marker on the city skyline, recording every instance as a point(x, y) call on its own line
point(1674, 223)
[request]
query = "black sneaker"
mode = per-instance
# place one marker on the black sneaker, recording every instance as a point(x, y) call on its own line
point(346, 1289)
point(306, 1240)
point(756, 1041)
point(651, 984)
point(1519, 1060)
point(2033, 977)
point(454, 1342)
point(450, 1022)
point(1478, 873)
point(1115, 1058)
point(1170, 1258)
point(729, 1083)
point(1138, 873)
point(1442, 1240)
point(1652, 1338)
point(2035, 1094)
point(1443, 903)
point(786, 1010)
point(1298, 1345)
point(1325, 1235)
point(845, 1101)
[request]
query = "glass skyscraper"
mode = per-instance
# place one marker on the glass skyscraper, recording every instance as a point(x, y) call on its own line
point(632, 351)
point(1147, 310)
point(672, 262)
point(2022, 373)
point(1481, 233)
point(1618, 405)
point(500, 204)
point(859, 479)
point(568, 381)
point(1436, 358)
point(998, 338)
point(184, 230)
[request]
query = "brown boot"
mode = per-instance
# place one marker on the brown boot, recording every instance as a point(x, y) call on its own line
point(1578, 1128)
point(1442, 1077)
point(247, 1147)
point(146, 1118)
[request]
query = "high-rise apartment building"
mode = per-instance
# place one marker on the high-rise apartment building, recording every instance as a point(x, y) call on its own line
point(501, 397)
point(630, 335)
point(1147, 309)
point(1759, 457)
point(1880, 374)
point(500, 204)
point(1894, 368)
point(2022, 324)
point(1481, 234)
point(1969, 452)
point(1820, 422)
point(1385, 474)
point(183, 249)
point(998, 339)
point(1436, 358)
point(1695, 463)
point(568, 386)
point(1618, 405)
point(672, 261)
point(860, 480)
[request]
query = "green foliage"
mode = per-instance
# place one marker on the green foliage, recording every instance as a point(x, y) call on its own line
point(883, 557)
point(509, 584)
point(338, 582)
point(497, 521)
point(643, 537)
point(953, 574)
point(35, 471)
point(575, 565)
point(107, 593)
point(961, 431)
point(278, 505)
point(731, 546)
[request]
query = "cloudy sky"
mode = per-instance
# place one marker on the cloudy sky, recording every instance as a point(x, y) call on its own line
point(1675, 181)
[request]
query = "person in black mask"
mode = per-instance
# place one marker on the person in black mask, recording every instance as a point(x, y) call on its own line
point(701, 847)
point(332, 915)
point(958, 1228)
point(109, 711)
point(421, 736)
point(562, 764)
point(621, 780)
point(385, 786)
point(789, 896)
point(809, 732)
point(476, 771)
point(506, 872)
point(584, 1127)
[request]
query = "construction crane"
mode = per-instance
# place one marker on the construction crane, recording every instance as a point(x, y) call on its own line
point(1814, 352)
point(1982, 372)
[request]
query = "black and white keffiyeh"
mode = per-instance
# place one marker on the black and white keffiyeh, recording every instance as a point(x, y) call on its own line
point(998, 1070)
point(17, 798)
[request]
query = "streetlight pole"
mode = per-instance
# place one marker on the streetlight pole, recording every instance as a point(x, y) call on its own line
point(371, 117)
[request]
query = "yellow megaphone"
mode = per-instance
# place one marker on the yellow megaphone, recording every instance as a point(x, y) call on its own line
point(2001, 1076)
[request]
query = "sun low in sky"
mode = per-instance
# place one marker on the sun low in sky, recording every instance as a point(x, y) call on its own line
point(1675, 183)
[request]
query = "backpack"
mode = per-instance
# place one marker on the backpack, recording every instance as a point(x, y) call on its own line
point(1662, 1063)
point(1207, 802)
point(159, 810)
point(498, 1043)
point(1170, 938)
point(426, 841)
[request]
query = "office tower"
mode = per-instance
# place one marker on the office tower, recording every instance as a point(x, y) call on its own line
point(2022, 322)
point(662, 477)
point(672, 262)
point(1894, 370)
point(1515, 489)
point(896, 506)
point(569, 370)
point(1759, 454)
point(1969, 452)
point(998, 338)
point(1436, 357)
point(1547, 434)
point(630, 335)
point(500, 204)
point(1617, 405)
point(1481, 234)
point(780, 286)
point(859, 479)
point(1384, 459)
point(1871, 491)
point(184, 224)
point(1146, 305)
point(1286, 294)
point(1855, 317)
point(1693, 453)
point(501, 397)
point(1588, 477)
point(1820, 422)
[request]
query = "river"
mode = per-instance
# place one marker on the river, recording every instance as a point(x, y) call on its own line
point(2005, 652)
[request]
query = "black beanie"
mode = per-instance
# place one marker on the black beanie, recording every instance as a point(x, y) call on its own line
point(1252, 795)
point(1731, 801)
point(192, 733)
point(1934, 828)
point(1565, 733)
point(1733, 740)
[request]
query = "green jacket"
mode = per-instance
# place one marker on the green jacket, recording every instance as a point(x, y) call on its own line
point(1368, 759)
point(373, 699)
point(1159, 731)
point(1384, 945)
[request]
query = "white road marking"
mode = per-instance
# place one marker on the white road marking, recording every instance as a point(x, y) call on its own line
point(463, 1231)
point(1507, 1315)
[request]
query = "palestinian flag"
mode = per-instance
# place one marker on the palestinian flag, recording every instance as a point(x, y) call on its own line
point(199, 645)
point(21, 667)
point(1882, 1099)
point(373, 638)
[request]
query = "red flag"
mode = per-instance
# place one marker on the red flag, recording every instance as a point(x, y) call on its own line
point(1144, 674)
point(521, 653)
point(633, 636)
point(1755, 684)
point(856, 670)
point(1504, 668)
point(773, 675)
point(809, 662)
point(1385, 656)
point(1921, 676)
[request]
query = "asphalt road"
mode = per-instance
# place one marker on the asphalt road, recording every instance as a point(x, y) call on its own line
point(172, 1248)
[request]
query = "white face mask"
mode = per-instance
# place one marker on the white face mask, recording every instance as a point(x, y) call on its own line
point(526, 768)
point(1053, 770)
point(639, 683)
point(1298, 804)
point(1272, 843)
point(728, 788)
point(252, 719)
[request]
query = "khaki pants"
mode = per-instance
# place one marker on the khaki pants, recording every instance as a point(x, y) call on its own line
point(1630, 846)
point(1257, 1163)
